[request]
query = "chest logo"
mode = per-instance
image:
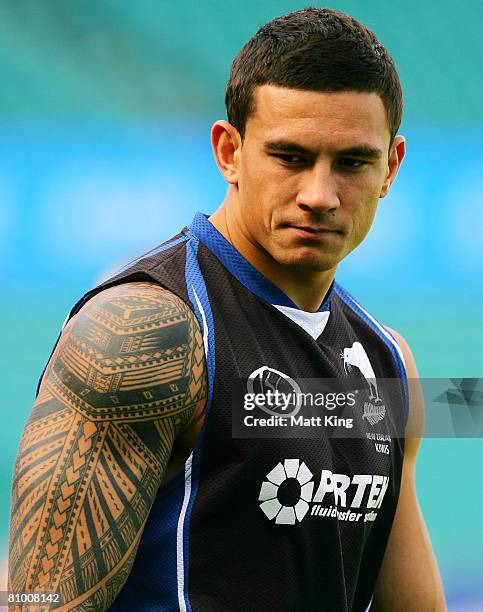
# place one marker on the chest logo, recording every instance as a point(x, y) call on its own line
point(289, 493)
point(356, 356)
point(273, 384)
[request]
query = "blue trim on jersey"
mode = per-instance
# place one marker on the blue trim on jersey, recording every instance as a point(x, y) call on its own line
point(242, 269)
point(382, 332)
point(198, 295)
point(195, 280)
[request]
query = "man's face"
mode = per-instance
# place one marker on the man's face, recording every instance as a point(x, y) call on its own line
point(311, 169)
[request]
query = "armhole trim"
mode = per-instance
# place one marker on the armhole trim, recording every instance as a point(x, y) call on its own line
point(198, 295)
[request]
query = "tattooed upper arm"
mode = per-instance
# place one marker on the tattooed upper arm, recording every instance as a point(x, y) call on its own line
point(127, 376)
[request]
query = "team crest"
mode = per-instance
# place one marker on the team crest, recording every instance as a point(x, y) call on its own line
point(356, 356)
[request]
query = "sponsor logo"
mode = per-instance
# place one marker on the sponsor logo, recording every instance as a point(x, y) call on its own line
point(288, 494)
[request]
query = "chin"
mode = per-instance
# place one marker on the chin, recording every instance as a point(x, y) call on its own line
point(314, 262)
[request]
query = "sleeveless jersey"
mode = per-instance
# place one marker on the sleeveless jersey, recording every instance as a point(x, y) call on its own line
point(256, 524)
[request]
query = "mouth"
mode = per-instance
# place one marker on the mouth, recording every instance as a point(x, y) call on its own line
point(309, 228)
point(312, 231)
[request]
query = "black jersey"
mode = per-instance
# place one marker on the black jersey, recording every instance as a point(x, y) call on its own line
point(257, 524)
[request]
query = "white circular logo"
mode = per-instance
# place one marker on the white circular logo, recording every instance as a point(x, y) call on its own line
point(286, 493)
point(268, 380)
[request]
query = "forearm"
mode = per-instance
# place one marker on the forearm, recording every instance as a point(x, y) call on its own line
point(406, 595)
point(78, 508)
point(409, 579)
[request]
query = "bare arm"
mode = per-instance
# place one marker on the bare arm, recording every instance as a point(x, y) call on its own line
point(126, 378)
point(409, 579)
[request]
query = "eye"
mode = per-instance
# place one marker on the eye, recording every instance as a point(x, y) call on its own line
point(351, 163)
point(289, 159)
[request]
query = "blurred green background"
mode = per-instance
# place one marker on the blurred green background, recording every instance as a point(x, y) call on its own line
point(105, 112)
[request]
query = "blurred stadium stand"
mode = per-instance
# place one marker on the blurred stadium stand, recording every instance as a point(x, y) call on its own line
point(122, 60)
point(105, 114)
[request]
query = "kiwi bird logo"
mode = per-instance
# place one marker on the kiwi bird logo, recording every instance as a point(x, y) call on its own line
point(357, 356)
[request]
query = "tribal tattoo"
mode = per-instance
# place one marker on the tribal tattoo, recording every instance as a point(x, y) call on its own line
point(128, 375)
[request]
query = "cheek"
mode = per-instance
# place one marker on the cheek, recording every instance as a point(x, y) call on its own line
point(254, 197)
point(360, 206)
point(363, 187)
point(250, 179)
point(260, 175)
point(364, 222)
point(262, 184)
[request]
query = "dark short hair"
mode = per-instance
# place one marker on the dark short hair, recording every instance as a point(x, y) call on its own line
point(314, 50)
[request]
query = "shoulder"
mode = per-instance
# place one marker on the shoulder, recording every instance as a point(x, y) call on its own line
point(134, 315)
point(131, 299)
point(415, 422)
point(409, 360)
point(133, 351)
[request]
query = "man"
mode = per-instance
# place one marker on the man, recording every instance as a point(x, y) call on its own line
point(130, 490)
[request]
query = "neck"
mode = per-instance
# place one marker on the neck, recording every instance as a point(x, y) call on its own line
point(305, 287)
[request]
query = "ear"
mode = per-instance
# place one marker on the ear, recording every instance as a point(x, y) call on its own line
point(226, 143)
point(396, 155)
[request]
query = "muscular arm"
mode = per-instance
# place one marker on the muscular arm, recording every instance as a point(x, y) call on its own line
point(409, 579)
point(126, 378)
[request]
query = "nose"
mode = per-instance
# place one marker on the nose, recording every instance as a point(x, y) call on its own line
point(318, 190)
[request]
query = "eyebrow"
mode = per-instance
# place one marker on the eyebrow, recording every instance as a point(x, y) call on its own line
point(293, 147)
